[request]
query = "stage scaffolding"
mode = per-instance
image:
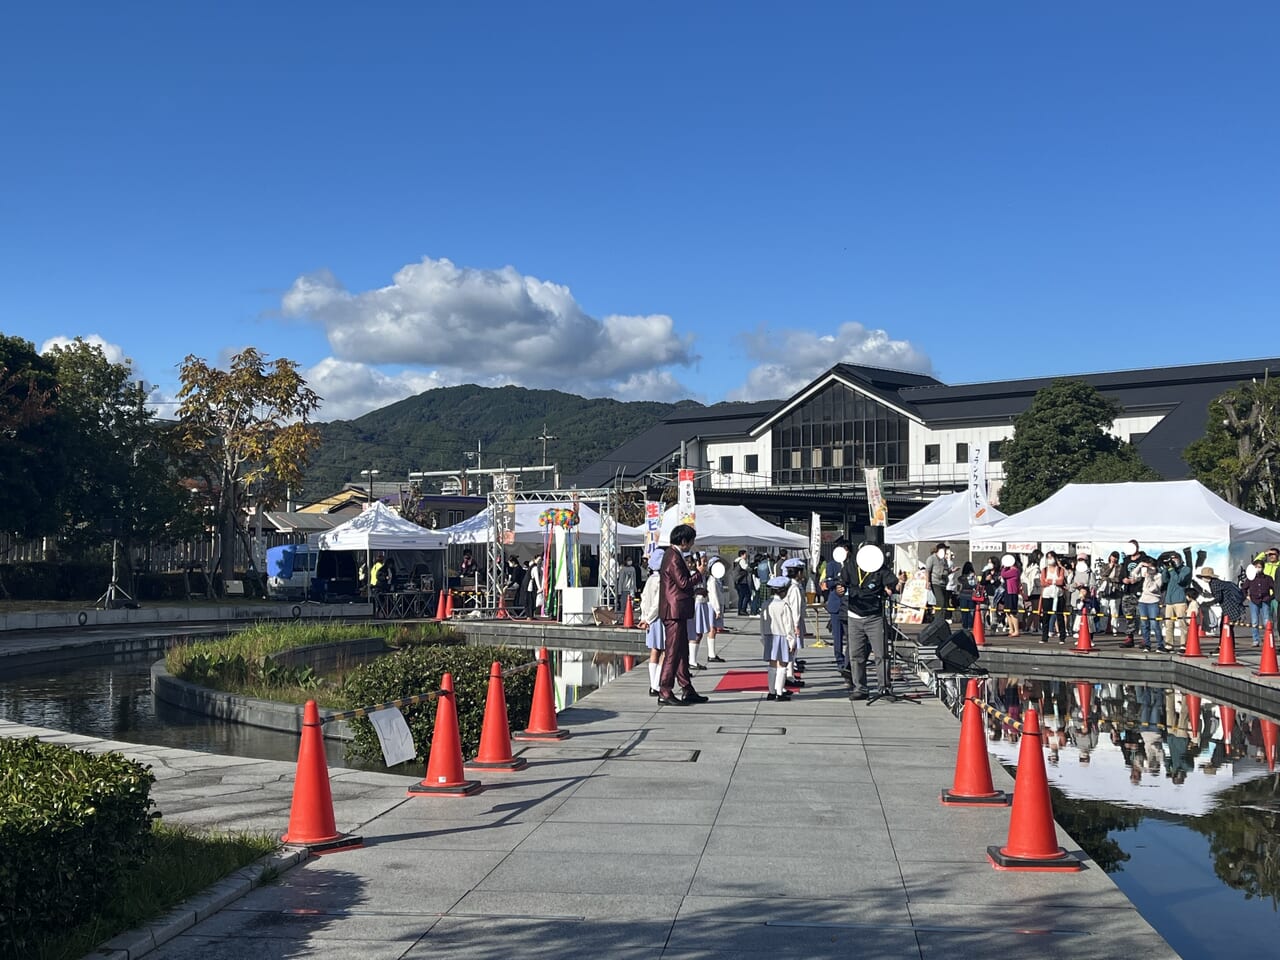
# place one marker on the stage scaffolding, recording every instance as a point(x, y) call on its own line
point(604, 500)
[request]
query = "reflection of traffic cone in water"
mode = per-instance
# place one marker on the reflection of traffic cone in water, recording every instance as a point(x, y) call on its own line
point(1193, 637)
point(1228, 717)
point(1269, 731)
point(628, 616)
point(444, 766)
point(972, 785)
point(979, 631)
point(1084, 693)
point(1268, 666)
point(311, 820)
point(1033, 839)
point(542, 714)
point(495, 732)
point(1191, 706)
point(1084, 642)
point(1227, 647)
point(628, 663)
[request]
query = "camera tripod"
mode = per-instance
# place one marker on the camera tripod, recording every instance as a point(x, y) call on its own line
point(111, 599)
point(891, 654)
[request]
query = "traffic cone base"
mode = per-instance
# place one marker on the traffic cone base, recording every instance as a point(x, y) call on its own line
point(495, 734)
point(534, 735)
point(311, 821)
point(444, 766)
point(972, 785)
point(1063, 862)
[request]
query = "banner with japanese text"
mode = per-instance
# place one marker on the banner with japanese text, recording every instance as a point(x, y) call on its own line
point(652, 525)
point(978, 506)
point(876, 506)
point(687, 509)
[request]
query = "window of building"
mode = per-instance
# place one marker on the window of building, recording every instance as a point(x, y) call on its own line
point(852, 428)
point(455, 516)
point(995, 450)
point(726, 464)
point(837, 457)
point(817, 457)
point(795, 459)
point(932, 453)
point(962, 453)
point(752, 463)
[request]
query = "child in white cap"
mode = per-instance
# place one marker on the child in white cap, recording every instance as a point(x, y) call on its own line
point(793, 570)
point(778, 635)
point(654, 638)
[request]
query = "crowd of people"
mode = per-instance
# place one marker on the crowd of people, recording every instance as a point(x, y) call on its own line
point(1145, 599)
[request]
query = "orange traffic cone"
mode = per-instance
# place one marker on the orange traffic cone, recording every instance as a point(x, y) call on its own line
point(495, 733)
point(1193, 637)
point(1227, 647)
point(1033, 842)
point(542, 714)
point(1228, 717)
point(311, 822)
point(502, 605)
point(448, 604)
point(972, 785)
point(628, 616)
point(979, 630)
point(1191, 704)
point(1084, 642)
point(440, 615)
point(444, 766)
point(1269, 730)
point(1268, 667)
point(1084, 693)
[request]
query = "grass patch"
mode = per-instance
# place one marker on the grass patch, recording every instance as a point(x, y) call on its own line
point(183, 863)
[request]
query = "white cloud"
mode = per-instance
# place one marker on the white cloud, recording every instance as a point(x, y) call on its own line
point(352, 389)
point(789, 359)
point(489, 326)
point(113, 352)
point(652, 385)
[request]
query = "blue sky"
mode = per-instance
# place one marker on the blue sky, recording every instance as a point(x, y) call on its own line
point(655, 200)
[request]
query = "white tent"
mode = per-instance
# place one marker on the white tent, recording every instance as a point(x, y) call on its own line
point(720, 526)
point(946, 518)
point(1174, 511)
point(478, 529)
point(380, 528)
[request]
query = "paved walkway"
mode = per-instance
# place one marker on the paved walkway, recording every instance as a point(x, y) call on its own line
point(740, 827)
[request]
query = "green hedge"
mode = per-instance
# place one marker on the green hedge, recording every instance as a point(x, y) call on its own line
point(71, 825)
point(61, 580)
point(418, 670)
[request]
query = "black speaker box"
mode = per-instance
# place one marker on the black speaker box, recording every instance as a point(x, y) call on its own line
point(958, 652)
point(873, 535)
point(935, 633)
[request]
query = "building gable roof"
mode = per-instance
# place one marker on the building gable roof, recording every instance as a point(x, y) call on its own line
point(880, 384)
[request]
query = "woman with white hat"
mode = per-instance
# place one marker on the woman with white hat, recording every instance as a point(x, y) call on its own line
point(654, 638)
point(778, 635)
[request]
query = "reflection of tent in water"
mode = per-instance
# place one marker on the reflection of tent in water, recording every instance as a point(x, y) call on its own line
point(1107, 777)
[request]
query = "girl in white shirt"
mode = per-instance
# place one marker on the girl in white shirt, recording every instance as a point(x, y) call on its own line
point(654, 638)
point(778, 635)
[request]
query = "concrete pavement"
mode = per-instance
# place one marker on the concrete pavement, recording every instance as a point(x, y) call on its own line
point(737, 827)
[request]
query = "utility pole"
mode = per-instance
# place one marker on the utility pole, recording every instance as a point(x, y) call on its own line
point(544, 436)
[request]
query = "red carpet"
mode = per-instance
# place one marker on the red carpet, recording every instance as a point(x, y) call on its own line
point(744, 680)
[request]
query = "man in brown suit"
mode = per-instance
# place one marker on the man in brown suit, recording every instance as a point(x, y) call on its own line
point(675, 609)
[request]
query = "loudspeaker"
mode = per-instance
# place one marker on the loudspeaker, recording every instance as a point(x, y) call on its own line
point(934, 634)
point(873, 535)
point(958, 652)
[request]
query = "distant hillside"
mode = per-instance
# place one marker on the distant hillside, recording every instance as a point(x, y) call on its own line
point(435, 429)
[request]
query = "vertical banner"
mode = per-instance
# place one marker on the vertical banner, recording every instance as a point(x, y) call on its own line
point(815, 541)
point(878, 509)
point(652, 525)
point(503, 484)
point(979, 508)
point(687, 509)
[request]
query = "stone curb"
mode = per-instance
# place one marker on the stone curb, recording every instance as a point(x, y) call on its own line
point(142, 940)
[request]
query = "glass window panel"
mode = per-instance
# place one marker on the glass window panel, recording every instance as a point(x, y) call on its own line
point(962, 453)
point(815, 457)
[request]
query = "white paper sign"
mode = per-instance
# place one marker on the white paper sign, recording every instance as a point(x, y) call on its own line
point(394, 736)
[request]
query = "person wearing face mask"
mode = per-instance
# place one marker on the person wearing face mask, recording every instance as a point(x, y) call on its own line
point(1258, 590)
point(1031, 589)
point(1177, 577)
point(1149, 588)
point(1053, 599)
point(1131, 586)
point(1109, 590)
point(936, 572)
point(1081, 585)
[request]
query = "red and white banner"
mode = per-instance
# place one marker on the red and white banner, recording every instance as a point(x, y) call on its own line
point(652, 525)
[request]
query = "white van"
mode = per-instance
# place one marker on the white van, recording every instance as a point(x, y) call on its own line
point(289, 571)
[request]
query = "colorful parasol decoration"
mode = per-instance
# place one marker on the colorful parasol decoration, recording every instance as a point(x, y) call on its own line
point(560, 555)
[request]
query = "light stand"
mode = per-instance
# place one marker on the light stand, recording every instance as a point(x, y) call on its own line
point(891, 654)
point(111, 599)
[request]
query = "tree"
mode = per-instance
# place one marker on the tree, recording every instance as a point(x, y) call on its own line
point(1239, 454)
point(1062, 438)
point(245, 426)
point(29, 439)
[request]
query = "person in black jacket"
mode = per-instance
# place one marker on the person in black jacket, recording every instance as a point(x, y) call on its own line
point(863, 594)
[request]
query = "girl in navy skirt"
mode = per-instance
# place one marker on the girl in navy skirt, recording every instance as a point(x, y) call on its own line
point(778, 636)
point(649, 622)
point(703, 622)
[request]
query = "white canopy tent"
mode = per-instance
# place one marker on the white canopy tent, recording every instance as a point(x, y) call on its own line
point(735, 525)
point(1173, 511)
point(380, 528)
point(479, 529)
point(946, 518)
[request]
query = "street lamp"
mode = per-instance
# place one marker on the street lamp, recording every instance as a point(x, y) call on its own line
point(370, 474)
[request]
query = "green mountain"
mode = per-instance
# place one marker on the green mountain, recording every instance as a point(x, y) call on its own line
point(435, 431)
